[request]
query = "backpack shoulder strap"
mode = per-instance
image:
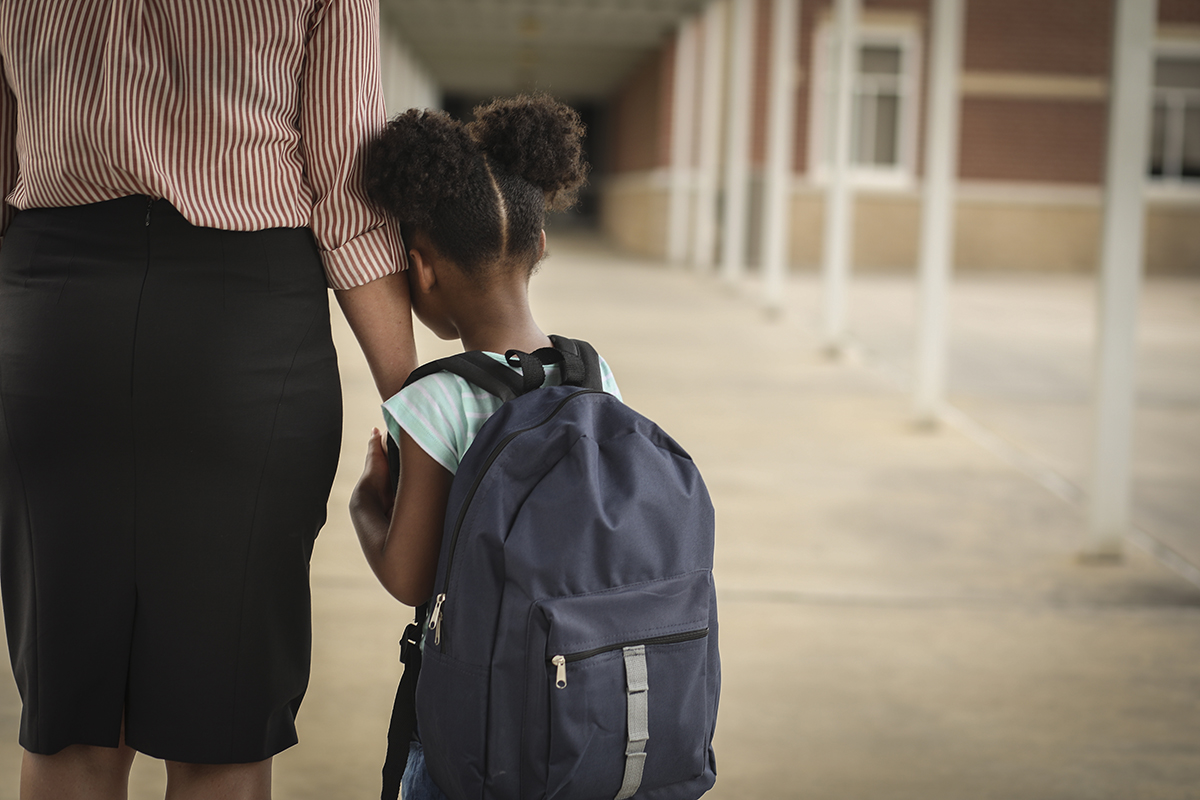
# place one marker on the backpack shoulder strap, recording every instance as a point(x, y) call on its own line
point(580, 365)
point(478, 369)
point(581, 362)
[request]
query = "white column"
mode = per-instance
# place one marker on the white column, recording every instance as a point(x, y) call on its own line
point(781, 140)
point(704, 221)
point(937, 211)
point(1120, 273)
point(839, 209)
point(737, 140)
point(683, 121)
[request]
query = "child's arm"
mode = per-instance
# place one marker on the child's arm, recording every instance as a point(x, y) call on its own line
point(403, 553)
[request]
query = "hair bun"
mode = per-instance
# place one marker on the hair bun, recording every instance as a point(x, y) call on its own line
point(418, 160)
point(536, 138)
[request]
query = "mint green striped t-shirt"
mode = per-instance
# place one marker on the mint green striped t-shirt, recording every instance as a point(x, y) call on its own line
point(443, 412)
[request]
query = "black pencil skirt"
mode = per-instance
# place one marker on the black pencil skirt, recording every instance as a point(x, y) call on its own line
point(170, 421)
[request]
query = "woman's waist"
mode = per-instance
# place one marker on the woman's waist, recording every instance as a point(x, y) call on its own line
point(137, 232)
point(282, 200)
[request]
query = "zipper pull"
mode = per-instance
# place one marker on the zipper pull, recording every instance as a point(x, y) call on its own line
point(435, 618)
point(149, 206)
point(560, 678)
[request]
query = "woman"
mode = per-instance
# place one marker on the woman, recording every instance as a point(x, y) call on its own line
point(182, 184)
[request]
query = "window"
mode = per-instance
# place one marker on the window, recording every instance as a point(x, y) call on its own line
point(1175, 120)
point(877, 107)
point(884, 121)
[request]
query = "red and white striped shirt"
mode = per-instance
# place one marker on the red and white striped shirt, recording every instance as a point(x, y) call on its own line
point(244, 114)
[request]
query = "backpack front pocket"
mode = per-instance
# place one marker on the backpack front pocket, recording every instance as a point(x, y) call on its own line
point(626, 677)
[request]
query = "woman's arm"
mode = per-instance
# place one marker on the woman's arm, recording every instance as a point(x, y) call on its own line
point(341, 108)
point(380, 316)
point(402, 540)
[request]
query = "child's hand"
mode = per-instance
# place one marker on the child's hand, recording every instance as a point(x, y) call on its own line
point(402, 547)
point(372, 498)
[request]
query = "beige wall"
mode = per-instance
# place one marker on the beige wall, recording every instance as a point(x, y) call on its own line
point(1173, 238)
point(992, 233)
point(633, 212)
point(885, 230)
point(1000, 227)
point(1064, 235)
point(1027, 237)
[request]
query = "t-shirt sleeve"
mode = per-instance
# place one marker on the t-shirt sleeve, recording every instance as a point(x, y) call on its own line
point(432, 413)
point(607, 381)
point(443, 413)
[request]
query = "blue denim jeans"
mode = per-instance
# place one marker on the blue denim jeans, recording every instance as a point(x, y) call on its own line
point(416, 783)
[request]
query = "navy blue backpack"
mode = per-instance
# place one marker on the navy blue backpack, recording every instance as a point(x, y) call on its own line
point(571, 651)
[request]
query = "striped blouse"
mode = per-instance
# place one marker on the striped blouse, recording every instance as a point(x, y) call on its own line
point(244, 114)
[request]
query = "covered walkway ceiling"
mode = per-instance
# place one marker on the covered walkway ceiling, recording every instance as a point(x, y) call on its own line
point(575, 49)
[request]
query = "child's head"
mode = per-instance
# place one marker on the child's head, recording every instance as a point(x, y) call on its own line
point(478, 193)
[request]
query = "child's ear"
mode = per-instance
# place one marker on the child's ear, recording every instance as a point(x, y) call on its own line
point(422, 270)
point(541, 245)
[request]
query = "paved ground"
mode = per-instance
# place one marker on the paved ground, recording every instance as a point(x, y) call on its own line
point(903, 614)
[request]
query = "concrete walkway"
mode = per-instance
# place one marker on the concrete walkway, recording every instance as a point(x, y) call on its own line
point(903, 614)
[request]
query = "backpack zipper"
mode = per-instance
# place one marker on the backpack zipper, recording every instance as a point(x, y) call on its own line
point(435, 616)
point(560, 662)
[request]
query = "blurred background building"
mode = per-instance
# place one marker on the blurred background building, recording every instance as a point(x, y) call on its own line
point(658, 83)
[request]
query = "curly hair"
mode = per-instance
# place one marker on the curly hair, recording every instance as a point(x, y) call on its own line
point(479, 191)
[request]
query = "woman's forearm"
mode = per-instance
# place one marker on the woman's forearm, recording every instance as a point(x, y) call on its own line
point(381, 318)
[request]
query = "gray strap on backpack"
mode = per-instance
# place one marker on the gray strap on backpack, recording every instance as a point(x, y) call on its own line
point(637, 711)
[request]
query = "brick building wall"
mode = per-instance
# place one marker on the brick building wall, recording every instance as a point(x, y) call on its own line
point(1037, 140)
point(1012, 52)
point(637, 118)
point(633, 205)
point(762, 67)
point(1059, 36)
point(1179, 12)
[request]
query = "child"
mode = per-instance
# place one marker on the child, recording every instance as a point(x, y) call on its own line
point(471, 201)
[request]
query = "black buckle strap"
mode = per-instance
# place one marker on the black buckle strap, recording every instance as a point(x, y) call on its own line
point(404, 710)
point(410, 644)
point(533, 369)
point(579, 360)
